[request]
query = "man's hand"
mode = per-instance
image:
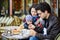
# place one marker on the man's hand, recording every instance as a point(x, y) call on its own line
point(31, 26)
point(32, 32)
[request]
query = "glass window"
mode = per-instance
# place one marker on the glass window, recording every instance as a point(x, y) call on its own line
point(4, 8)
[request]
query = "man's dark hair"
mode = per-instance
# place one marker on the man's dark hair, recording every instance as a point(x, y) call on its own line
point(33, 6)
point(43, 6)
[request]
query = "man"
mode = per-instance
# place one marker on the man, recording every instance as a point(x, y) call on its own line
point(51, 22)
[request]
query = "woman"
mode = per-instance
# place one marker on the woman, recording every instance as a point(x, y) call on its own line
point(33, 12)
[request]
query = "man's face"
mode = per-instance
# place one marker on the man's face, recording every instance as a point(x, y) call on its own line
point(29, 22)
point(42, 14)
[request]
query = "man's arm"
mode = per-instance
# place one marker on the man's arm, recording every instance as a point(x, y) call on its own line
point(52, 34)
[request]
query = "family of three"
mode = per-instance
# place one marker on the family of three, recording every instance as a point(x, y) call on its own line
point(43, 25)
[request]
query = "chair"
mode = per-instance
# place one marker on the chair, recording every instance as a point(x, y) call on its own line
point(57, 37)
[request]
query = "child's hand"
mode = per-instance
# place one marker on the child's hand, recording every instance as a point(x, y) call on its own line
point(31, 26)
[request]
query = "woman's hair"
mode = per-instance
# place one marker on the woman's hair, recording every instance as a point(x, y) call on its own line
point(33, 6)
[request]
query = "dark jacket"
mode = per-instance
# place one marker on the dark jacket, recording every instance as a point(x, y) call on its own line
point(25, 25)
point(53, 29)
point(34, 19)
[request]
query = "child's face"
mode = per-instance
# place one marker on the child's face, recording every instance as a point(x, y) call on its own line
point(33, 12)
point(29, 22)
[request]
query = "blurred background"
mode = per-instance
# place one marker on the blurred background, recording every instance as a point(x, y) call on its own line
point(12, 12)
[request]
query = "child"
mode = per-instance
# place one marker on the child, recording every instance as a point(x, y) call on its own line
point(29, 24)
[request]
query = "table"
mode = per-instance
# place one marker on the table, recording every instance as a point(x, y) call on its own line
point(16, 37)
point(2, 29)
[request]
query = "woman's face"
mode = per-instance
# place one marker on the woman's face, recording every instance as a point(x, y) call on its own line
point(33, 12)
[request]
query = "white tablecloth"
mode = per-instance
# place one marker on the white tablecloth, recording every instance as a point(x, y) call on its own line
point(22, 35)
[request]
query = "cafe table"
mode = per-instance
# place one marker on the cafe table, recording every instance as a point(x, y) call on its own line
point(23, 35)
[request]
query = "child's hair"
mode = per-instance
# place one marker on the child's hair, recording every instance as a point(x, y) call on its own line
point(28, 18)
